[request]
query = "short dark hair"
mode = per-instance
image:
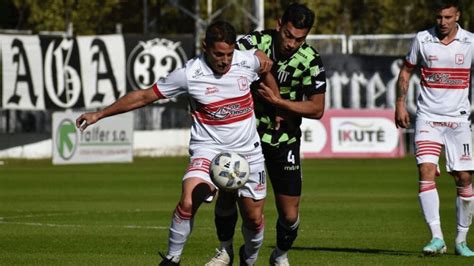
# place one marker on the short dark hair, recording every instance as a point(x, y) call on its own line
point(220, 31)
point(299, 15)
point(442, 4)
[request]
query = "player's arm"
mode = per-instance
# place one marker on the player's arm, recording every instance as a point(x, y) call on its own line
point(312, 108)
point(128, 102)
point(402, 118)
point(265, 62)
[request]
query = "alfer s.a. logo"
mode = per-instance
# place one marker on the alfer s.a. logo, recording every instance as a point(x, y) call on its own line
point(66, 139)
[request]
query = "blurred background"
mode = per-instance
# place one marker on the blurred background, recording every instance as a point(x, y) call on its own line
point(361, 42)
point(178, 17)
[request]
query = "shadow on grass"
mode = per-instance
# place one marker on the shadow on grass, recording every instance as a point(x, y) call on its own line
point(362, 250)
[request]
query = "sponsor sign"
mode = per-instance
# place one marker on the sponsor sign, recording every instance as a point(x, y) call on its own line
point(352, 133)
point(110, 140)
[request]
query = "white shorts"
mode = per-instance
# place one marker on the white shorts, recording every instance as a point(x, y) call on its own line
point(430, 137)
point(256, 186)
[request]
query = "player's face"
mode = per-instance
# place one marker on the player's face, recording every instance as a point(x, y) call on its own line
point(219, 56)
point(446, 20)
point(290, 38)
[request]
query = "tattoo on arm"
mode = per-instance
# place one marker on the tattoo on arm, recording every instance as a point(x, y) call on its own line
point(402, 84)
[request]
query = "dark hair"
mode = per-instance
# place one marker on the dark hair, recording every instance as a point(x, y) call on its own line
point(442, 4)
point(299, 15)
point(220, 31)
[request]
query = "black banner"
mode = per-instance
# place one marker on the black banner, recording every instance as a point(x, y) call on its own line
point(54, 73)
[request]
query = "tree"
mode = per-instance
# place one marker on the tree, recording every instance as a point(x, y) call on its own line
point(87, 16)
point(332, 16)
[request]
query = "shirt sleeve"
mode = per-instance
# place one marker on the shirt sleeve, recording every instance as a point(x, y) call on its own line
point(412, 58)
point(472, 52)
point(249, 41)
point(314, 78)
point(254, 64)
point(172, 85)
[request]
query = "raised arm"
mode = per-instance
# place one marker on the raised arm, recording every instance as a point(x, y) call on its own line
point(128, 102)
point(402, 118)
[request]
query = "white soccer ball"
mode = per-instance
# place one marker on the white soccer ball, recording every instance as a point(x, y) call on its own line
point(229, 171)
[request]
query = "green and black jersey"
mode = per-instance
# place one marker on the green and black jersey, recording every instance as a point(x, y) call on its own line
point(301, 75)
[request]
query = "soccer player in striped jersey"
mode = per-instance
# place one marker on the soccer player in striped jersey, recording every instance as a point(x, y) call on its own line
point(301, 78)
point(445, 53)
point(218, 84)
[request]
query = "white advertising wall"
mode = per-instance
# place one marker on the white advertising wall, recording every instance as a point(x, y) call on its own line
point(109, 140)
point(352, 133)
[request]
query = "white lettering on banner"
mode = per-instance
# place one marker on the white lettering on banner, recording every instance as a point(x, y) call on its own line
point(377, 94)
point(351, 134)
point(102, 69)
point(22, 73)
point(68, 83)
point(152, 60)
point(314, 136)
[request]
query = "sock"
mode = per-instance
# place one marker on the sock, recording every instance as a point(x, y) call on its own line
point(464, 207)
point(225, 221)
point(180, 229)
point(253, 241)
point(279, 254)
point(429, 202)
point(286, 235)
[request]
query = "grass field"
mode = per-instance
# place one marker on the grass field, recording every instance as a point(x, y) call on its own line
point(353, 212)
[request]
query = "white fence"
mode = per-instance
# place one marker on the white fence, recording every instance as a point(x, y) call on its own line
point(377, 44)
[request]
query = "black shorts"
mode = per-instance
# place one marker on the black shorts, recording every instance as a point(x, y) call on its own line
point(284, 168)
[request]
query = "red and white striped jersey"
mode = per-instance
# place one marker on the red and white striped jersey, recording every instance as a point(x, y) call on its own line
point(445, 75)
point(223, 110)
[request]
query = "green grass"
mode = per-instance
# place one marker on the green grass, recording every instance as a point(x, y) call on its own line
point(353, 212)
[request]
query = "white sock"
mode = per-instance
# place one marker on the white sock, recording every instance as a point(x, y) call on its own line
point(180, 229)
point(253, 242)
point(429, 202)
point(464, 205)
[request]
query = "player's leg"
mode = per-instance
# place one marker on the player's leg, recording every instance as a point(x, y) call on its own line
point(225, 219)
point(464, 211)
point(428, 145)
point(251, 211)
point(196, 188)
point(251, 199)
point(459, 163)
point(284, 170)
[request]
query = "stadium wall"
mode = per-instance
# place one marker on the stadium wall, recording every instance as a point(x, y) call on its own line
point(168, 142)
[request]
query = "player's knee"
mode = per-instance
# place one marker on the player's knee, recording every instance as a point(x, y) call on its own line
point(254, 222)
point(427, 171)
point(182, 212)
point(289, 219)
point(463, 178)
point(185, 206)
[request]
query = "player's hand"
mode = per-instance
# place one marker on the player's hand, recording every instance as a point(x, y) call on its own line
point(83, 121)
point(402, 118)
point(268, 94)
point(265, 62)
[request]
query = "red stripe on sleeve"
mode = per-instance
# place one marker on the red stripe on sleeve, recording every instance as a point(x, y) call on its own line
point(157, 92)
point(408, 64)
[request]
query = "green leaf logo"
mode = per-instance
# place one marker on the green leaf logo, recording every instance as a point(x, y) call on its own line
point(66, 139)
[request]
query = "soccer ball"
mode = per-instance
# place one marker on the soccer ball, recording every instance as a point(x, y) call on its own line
point(229, 171)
